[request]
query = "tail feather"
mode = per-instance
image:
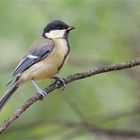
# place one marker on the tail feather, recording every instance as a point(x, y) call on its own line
point(8, 94)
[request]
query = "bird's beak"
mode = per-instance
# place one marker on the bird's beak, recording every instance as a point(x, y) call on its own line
point(70, 28)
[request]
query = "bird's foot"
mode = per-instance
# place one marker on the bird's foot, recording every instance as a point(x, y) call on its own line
point(40, 91)
point(60, 82)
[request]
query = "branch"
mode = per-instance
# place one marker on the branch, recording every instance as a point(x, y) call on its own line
point(68, 79)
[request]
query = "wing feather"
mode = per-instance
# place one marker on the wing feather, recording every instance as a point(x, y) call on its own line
point(41, 49)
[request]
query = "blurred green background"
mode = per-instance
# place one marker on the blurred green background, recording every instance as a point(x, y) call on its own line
point(106, 32)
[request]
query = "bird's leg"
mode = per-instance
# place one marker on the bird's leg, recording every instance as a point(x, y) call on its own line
point(60, 80)
point(40, 91)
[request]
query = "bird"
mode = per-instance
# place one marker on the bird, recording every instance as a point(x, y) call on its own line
point(48, 53)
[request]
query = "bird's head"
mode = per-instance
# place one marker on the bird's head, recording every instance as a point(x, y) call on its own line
point(57, 29)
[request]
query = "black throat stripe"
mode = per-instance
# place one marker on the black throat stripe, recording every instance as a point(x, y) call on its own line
point(68, 45)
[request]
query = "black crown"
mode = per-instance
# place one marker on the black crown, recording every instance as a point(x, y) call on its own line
point(55, 25)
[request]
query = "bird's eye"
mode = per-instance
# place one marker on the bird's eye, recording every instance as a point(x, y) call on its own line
point(58, 27)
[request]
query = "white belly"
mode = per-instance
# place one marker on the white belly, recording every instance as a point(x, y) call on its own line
point(49, 66)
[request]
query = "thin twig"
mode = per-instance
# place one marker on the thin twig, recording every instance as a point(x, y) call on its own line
point(74, 107)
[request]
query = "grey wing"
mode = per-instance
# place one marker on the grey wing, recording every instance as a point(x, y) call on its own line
point(37, 53)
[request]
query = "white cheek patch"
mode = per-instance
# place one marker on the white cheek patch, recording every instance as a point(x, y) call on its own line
point(32, 56)
point(55, 34)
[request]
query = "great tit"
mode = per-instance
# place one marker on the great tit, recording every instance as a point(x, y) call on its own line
point(44, 59)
